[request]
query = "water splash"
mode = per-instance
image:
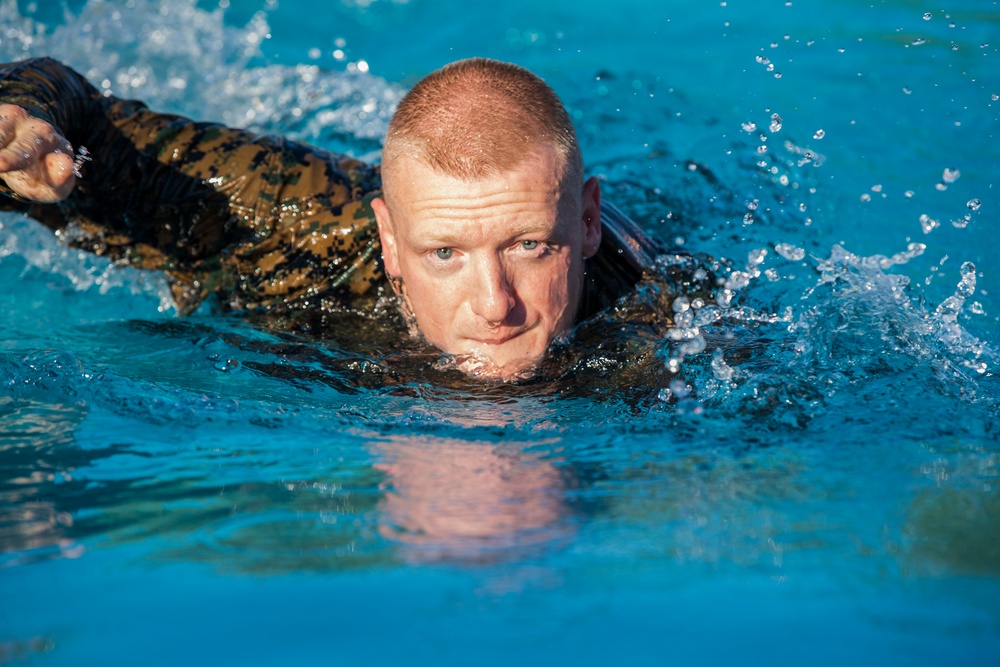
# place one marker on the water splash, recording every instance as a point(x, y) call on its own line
point(41, 251)
point(183, 59)
point(859, 322)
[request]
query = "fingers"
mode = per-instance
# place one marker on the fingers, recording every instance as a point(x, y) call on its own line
point(36, 161)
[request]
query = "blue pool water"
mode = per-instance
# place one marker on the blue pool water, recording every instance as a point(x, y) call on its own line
point(819, 484)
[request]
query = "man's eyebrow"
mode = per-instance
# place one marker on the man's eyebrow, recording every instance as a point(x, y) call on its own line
point(444, 237)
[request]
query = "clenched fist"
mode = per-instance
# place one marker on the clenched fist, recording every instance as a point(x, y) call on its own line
point(36, 161)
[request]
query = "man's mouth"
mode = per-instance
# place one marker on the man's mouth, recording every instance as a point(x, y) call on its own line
point(499, 340)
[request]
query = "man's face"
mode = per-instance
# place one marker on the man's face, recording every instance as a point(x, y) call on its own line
point(492, 269)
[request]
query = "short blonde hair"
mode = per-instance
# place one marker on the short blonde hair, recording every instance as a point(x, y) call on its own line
point(477, 118)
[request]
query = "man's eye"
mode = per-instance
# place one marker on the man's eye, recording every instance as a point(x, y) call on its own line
point(444, 253)
point(529, 245)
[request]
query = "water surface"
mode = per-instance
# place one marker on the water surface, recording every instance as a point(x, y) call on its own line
point(805, 473)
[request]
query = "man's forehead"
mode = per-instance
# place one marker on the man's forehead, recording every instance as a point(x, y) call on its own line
point(411, 182)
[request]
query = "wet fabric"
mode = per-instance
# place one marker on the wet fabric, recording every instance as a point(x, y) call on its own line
point(263, 224)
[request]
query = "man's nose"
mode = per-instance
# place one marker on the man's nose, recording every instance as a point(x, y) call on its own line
point(494, 297)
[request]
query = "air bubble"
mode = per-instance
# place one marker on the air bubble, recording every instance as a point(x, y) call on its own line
point(928, 16)
point(973, 204)
point(920, 41)
point(819, 134)
point(775, 125)
point(950, 175)
point(750, 126)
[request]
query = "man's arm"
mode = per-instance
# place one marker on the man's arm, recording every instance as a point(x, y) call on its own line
point(259, 220)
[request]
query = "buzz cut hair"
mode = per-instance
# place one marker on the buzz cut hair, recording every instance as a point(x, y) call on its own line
point(478, 118)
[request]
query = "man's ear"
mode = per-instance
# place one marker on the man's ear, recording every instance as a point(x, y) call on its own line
point(387, 234)
point(591, 217)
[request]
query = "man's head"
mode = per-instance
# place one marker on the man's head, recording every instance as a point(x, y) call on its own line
point(486, 218)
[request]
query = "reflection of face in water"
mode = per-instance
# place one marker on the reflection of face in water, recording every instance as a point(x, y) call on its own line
point(457, 500)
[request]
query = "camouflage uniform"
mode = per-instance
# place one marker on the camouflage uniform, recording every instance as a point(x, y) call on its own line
point(265, 224)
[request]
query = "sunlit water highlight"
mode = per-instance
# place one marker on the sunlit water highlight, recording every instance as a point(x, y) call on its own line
point(803, 471)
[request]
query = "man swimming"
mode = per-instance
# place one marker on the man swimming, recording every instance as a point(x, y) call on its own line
point(479, 218)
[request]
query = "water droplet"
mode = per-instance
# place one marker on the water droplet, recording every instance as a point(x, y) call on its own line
point(928, 224)
point(227, 365)
point(788, 251)
point(679, 389)
point(819, 134)
point(928, 16)
point(720, 369)
point(950, 175)
point(681, 304)
point(683, 321)
point(755, 258)
point(968, 272)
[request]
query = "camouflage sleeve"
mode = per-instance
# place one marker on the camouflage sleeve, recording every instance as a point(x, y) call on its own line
point(261, 222)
